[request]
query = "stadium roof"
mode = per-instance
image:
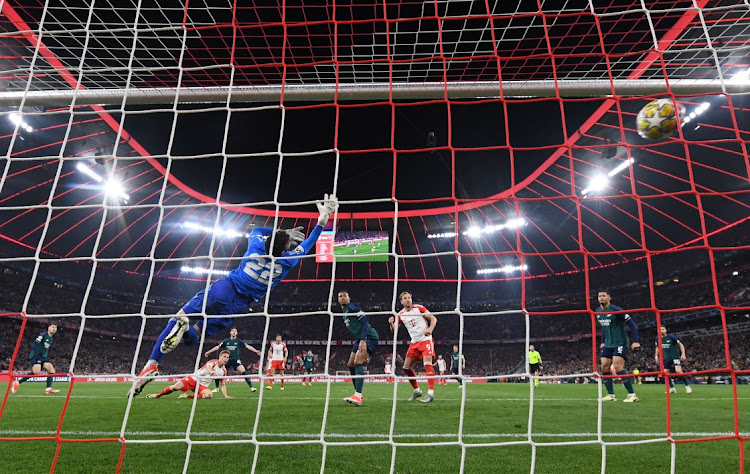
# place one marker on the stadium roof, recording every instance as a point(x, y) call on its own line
point(440, 166)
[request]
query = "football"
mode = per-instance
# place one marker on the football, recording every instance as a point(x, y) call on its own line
point(657, 119)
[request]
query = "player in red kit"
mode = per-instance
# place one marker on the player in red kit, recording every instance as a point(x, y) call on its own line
point(420, 324)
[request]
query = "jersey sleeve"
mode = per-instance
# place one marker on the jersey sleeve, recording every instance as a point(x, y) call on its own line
point(302, 249)
point(421, 308)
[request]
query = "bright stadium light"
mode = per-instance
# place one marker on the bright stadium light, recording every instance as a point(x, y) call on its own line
point(203, 271)
point(741, 76)
point(506, 269)
point(476, 231)
point(112, 188)
point(211, 230)
point(600, 182)
point(17, 119)
point(89, 172)
point(597, 183)
point(443, 235)
point(510, 224)
point(115, 189)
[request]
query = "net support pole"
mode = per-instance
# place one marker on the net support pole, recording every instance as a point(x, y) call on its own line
point(376, 92)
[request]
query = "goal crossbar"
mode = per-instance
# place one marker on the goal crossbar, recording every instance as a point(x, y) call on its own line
point(375, 92)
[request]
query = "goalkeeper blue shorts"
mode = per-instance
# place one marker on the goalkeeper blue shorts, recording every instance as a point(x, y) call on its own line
point(222, 300)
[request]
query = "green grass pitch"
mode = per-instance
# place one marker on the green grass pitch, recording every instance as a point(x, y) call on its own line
point(364, 253)
point(493, 413)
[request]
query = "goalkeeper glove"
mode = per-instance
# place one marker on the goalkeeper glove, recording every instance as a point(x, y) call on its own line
point(296, 235)
point(326, 208)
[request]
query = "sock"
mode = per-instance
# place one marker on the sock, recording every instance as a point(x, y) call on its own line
point(353, 371)
point(217, 383)
point(358, 383)
point(22, 380)
point(536, 382)
point(430, 370)
point(671, 382)
point(250, 382)
point(358, 394)
point(282, 380)
point(191, 337)
point(609, 384)
point(413, 382)
point(49, 381)
point(166, 391)
point(200, 395)
point(627, 382)
point(431, 392)
point(685, 380)
point(156, 353)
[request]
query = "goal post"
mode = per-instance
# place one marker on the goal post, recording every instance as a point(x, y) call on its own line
point(375, 92)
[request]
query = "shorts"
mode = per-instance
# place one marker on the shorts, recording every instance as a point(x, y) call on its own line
point(188, 385)
point(418, 350)
point(454, 370)
point(533, 368)
point(309, 370)
point(38, 360)
point(222, 299)
point(371, 344)
point(233, 364)
point(672, 363)
point(442, 372)
point(277, 364)
point(611, 352)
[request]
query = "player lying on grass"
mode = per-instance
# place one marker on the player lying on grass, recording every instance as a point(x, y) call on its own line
point(38, 359)
point(420, 324)
point(233, 294)
point(199, 384)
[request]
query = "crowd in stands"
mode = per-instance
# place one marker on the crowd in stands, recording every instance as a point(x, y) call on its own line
point(560, 324)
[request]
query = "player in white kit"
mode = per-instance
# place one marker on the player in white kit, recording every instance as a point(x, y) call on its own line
point(441, 369)
point(201, 381)
point(277, 353)
point(420, 324)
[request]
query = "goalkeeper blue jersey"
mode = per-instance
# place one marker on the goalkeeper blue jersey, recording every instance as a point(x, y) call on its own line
point(252, 276)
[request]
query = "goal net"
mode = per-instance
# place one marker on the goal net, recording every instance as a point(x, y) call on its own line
point(486, 160)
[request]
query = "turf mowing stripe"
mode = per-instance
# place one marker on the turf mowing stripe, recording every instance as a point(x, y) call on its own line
point(371, 435)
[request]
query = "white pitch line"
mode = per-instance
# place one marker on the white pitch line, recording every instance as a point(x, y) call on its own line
point(370, 435)
point(437, 397)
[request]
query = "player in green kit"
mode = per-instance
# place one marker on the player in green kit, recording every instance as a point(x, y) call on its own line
point(309, 361)
point(615, 345)
point(456, 360)
point(38, 359)
point(364, 346)
point(232, 344)
point(674, 356)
